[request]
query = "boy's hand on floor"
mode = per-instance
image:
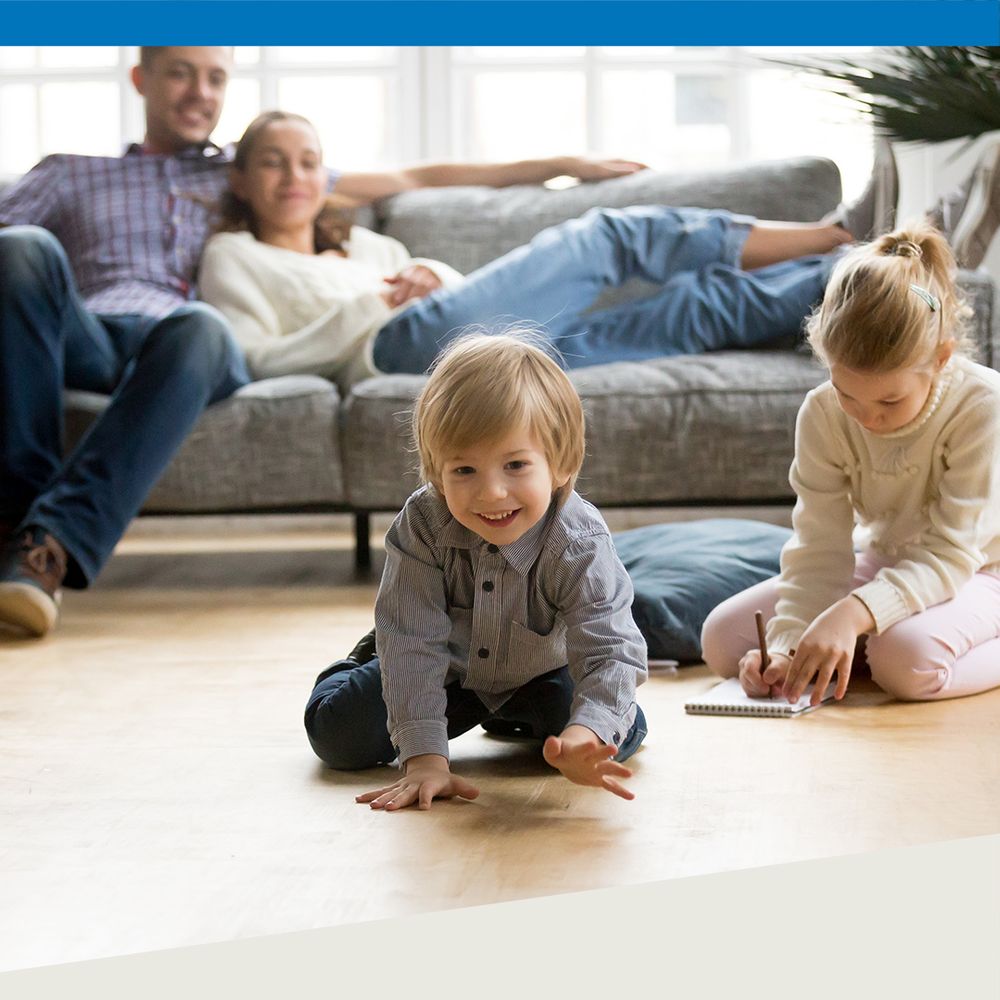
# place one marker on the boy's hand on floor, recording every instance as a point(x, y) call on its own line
point(580, 756)
point(424, 779)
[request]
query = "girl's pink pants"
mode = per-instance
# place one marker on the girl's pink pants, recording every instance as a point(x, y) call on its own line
point(947, 651)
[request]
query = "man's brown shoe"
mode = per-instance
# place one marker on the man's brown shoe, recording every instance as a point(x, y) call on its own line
point(32, 568)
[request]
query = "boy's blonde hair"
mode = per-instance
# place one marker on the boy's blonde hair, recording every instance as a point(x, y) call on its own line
point(482, 387)
point(891, 304)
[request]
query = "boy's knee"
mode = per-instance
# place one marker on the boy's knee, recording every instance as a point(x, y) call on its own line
point(338, 754)
point(901, 665)
point(333, 740)
point(336, 731)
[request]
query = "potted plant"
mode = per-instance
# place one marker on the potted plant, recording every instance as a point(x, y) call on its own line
point(921, 93)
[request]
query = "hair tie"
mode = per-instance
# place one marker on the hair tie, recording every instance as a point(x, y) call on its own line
point(927, 296)
point(906, 248)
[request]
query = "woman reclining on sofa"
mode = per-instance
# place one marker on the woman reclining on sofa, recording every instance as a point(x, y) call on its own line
point(300, 300)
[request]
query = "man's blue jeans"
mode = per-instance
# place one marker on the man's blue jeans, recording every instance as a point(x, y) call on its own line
point(346, 718)
point(706, 301)
point(161, 374)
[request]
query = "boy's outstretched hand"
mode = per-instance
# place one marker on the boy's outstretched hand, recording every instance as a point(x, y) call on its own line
point(580, 755)
point(424, 779)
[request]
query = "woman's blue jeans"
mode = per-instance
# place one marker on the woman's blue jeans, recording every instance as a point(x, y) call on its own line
point(160, 373)
point(705, 303)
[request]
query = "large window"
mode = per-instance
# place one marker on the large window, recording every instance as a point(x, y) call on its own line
point(675, 108)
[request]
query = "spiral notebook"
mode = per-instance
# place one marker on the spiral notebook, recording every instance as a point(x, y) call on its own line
point(728, 698)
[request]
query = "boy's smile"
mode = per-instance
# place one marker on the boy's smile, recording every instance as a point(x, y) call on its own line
point(500, 520)
point(500, 489)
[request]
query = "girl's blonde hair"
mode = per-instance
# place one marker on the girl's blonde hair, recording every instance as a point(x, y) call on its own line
point(891, 303)
point(484, 386)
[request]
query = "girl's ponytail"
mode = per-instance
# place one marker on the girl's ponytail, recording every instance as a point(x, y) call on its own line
point(891, 303)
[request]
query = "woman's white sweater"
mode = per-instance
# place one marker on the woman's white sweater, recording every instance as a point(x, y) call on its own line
point(295, 313)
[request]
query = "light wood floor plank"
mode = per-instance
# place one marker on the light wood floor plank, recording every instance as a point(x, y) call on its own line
point(157, 790)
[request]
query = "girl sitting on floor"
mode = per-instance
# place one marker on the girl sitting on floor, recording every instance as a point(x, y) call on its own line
point(902, 444)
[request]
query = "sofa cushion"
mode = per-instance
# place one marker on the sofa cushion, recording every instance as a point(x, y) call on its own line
point(467, 227)
point(711, 427)
point(270, 446)
point(681, 571)
point(716, 427)
point(984, 328)
point(380, 462)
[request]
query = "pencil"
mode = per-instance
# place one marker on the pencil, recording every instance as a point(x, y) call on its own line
point(764, 658)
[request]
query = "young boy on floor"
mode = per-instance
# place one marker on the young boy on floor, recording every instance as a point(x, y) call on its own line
point(503, 601)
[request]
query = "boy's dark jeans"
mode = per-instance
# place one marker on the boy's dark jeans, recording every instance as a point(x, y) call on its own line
point(346, 718)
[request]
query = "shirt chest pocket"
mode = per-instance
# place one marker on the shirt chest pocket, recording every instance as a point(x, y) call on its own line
point(530, 654)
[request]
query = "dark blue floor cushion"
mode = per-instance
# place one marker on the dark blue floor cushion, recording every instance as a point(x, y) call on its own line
point(682, 571)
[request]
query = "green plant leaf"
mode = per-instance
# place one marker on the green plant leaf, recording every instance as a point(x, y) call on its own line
point(919, 93)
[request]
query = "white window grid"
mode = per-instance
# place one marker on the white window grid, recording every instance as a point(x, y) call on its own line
point(429, 90)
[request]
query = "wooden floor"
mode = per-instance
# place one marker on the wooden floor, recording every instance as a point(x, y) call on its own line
point(157, 790)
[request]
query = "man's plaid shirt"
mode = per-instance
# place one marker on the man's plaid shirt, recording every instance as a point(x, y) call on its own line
point(132, 226)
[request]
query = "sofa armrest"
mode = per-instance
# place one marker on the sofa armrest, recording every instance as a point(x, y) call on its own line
point(984, 329)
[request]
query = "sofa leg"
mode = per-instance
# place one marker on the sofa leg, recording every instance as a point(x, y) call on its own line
point(362, 542)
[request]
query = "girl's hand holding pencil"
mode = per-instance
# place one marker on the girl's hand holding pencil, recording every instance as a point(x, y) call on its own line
point(766, 684)
point(762, 675)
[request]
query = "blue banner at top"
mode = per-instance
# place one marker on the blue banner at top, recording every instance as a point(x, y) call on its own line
point(501, 22)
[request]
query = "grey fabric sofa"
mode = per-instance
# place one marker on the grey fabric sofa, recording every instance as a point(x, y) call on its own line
point(709, 429)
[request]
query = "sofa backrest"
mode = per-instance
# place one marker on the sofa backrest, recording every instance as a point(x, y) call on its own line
point(469, 226)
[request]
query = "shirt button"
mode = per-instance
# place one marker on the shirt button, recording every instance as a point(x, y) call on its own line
point(483, 653)
point(488, 586)
point(492, 548)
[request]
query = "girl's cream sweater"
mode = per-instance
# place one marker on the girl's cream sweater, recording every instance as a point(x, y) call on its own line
point(925, 498)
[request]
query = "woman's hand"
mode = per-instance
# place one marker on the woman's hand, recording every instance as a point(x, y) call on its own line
point(580, 756)
point(412, 282)
point(425, 778)
point(768, 684)
point(827, 648)
point(600, 170)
